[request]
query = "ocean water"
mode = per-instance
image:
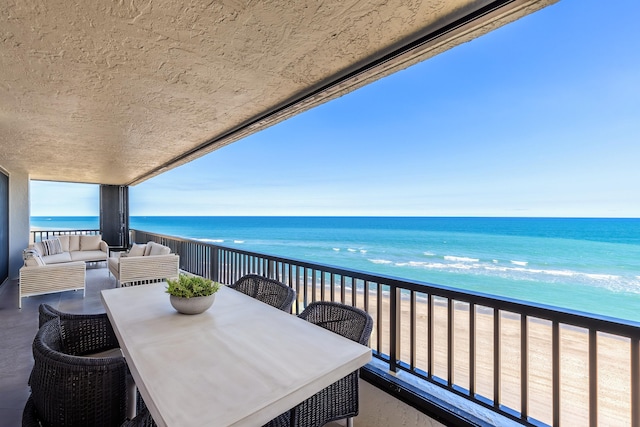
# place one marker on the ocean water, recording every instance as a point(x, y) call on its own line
point(590, 265)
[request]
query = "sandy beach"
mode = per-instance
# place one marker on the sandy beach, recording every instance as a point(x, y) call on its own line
point(614, 408)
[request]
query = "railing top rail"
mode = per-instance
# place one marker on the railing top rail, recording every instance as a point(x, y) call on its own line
point(562, 315)
point(65, 230)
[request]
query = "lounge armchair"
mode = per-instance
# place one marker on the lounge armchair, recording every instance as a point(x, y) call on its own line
point(148, 263)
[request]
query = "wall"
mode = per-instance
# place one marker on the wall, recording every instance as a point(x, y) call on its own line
point(18, 219)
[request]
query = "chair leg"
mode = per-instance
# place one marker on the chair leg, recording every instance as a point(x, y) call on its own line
point(350, 422)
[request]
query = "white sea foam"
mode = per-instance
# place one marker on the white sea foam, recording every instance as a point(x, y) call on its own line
point(460, 258)
point(380, 261)
point(211, 240)
point(336, 249)
point(602, 276)
point(495, 261)
point(363, 251)
point(238, 241)
point(352, 250)
point(429, 254)
point(522, 263)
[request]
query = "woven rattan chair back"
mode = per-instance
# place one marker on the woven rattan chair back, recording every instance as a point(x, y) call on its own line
point(350, 322)
point(81, 333)
point(267, 290)
point(340, 399)
point(68, 389)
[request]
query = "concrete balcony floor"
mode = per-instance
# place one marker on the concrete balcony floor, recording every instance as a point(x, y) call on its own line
point(19, 326)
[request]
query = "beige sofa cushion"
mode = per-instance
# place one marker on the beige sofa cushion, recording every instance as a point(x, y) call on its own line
point(90, 243)
point(147, 249)
point(64, 242)
point(74, 242)
point(57, 258)
point(88, 256)
point(158, 249)
point(137, 250)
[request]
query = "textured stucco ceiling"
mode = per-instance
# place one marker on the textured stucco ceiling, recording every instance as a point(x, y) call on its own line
point(117, 91)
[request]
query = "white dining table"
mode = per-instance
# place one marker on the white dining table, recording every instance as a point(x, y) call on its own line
point(240, 363)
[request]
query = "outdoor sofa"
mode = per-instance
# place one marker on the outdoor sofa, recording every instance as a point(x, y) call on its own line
point(58, 264)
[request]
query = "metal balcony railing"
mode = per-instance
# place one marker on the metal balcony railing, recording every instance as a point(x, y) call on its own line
point(40, 235)
point(534, 364)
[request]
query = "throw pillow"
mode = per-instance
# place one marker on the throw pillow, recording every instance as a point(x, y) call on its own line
point(51, 246)
point(147, 250)
point(90, 243)
point(158, 249)
point(137, 250)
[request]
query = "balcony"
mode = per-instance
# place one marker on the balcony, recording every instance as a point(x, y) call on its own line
point(377, 408)
point(461, 357)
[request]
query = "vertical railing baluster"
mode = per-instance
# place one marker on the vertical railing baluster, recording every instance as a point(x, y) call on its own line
point(472, 350)
point(237, 269)
point(555, 350)
point(412, 330)
point(394, 328)
point(379, 318)
point(354, 292)
point(524, 368)
point(593, 377)
point(366, 295)
point(496, 358)
point(333, 287)
point(313, 285)
point(322, 286)
point(305, 284)
point(430, 323)
point(215, 264)
point(450, 342)
point(635, 382)
point(342, 289)
point(298, 288)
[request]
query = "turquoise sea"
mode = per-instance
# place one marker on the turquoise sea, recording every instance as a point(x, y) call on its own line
point(590, 265)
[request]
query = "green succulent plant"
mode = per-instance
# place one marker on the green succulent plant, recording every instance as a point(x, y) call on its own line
point(187, 286)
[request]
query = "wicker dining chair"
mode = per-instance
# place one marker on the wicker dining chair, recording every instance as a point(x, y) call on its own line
point(30, 417)
point(68, 387)
point(340, 399)
point(93, 333)
point(94, 337)
point(267, 290)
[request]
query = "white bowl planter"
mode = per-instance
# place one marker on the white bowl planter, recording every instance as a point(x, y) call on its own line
point(194, 305)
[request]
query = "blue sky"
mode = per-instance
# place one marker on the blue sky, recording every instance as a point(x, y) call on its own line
point(538, 118)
